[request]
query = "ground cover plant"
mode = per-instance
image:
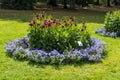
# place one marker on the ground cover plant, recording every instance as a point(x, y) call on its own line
point(112, 25)
point(54, 41)
point(14, 24)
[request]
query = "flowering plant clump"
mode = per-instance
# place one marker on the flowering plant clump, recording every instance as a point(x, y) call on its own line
point(19, 49)
point(112, 25)
point(47, 33)
point(54, 41)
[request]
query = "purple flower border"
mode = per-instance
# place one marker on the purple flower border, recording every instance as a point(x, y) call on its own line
point(102, 31)
point(91, 53)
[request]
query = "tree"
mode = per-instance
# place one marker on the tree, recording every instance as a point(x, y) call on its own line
point(18, 4)
point(52, 2)
point(108, 3)
point(72, 4)
point(65, 4)
point(97, 2)
point(83, 2)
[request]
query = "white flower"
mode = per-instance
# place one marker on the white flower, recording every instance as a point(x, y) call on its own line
point(80, 43)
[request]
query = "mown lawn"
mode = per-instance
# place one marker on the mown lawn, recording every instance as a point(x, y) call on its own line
point(14, 24)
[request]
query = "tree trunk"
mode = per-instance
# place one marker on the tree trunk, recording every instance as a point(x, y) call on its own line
point(97, 2)
point(52, 2)
point(65, 4)
point(108, 3)
point(72, 4)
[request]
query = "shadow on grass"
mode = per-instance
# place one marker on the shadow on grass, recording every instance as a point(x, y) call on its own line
point(59, 66)
point(81, 15)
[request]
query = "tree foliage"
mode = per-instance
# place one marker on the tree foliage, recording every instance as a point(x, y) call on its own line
point(17, 4)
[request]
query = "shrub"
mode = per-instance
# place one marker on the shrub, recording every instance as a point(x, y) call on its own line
point(47, 33)
point(17, 4)
point(112, 21)
point(112, 25)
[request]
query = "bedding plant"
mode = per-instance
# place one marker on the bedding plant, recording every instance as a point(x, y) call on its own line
point(56, 41)
point(112, 25)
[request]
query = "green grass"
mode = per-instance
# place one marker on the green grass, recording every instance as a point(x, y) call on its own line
point(14, 24)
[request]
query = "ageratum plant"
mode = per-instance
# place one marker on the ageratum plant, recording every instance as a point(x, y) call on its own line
point(112, 25)
point(47, 33)
point(19, 49)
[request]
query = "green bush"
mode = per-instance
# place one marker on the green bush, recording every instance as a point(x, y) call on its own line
point(47, 33)
point(17, 4)
point(112, 21)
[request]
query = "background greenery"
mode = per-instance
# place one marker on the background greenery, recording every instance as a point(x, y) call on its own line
point(34, 4)
point(14, 24)
point(17, 4)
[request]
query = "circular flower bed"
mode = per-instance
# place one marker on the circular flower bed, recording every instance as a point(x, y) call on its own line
point(19, 49)
point(56, 42)
point(112, 25)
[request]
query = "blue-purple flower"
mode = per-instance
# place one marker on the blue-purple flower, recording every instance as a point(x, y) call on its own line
point(91, 53)
point(102, 31)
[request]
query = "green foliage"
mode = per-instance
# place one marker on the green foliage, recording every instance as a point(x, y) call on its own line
point(47, 33)
point(85, 39)
point(112, 21)
point(17, 4)
point(20, 54)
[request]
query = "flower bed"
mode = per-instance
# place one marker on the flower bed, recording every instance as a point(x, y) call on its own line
point(55, 42)
point(102, 31)
point(112, 25)
point(19, 49)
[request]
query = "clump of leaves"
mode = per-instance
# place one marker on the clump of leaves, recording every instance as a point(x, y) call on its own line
point(47, 33)
point(112, 22)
